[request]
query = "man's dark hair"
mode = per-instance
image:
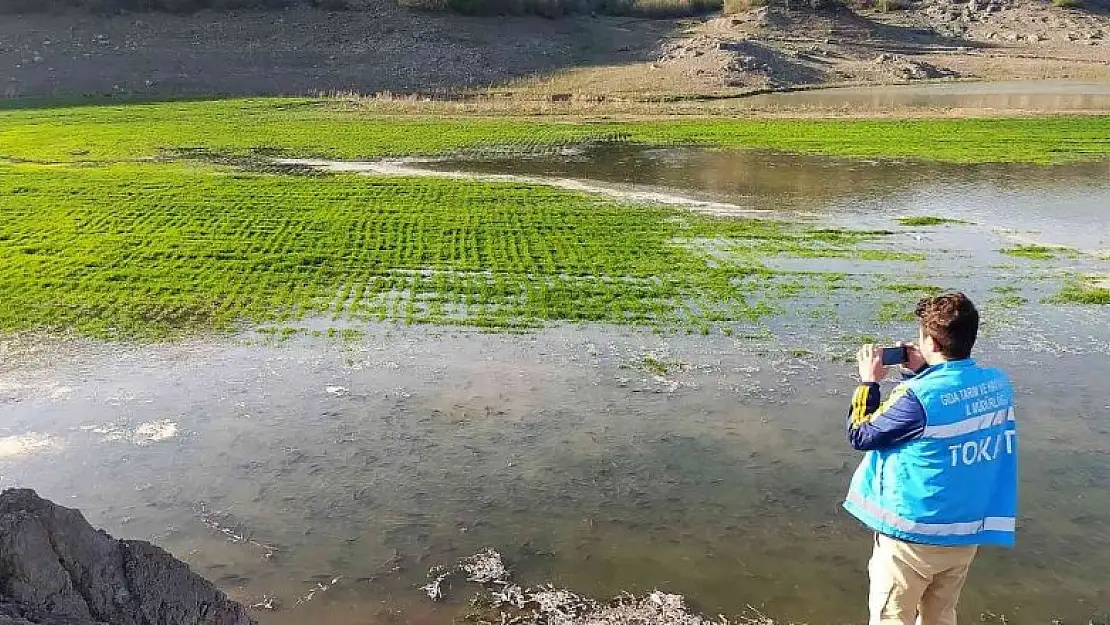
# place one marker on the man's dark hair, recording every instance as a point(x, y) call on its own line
point(953, 322)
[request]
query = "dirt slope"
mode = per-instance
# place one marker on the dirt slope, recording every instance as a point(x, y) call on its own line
point(301, 51)
point(991, 39)
point(386, 48)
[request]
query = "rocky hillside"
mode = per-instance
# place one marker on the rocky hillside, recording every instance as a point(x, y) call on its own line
point(56, 569)
point(770, 47)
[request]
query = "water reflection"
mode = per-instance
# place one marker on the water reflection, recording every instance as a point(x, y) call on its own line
point(1060, 201)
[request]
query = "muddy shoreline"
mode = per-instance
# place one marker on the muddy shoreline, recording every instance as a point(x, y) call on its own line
point(576, 64)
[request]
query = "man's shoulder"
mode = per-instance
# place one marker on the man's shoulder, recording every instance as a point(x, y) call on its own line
point(960, 376)
point(942, 384)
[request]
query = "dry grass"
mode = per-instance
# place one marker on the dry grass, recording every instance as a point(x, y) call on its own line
point(887, 6)
point(662, 9)
point(424, 5)
point(617, 84)
point(732, 7)
point(165, 6)
point(655, 9)
point(630, 92)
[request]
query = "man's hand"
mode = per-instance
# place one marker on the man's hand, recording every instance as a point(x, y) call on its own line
point(916, 361)
point(871, 368)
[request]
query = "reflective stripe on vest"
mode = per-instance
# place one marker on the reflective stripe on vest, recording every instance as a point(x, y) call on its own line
point(968, 528)
point(968, 426)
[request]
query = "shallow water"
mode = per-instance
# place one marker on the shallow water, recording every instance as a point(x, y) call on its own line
point(1060, 202)
point(372, 459)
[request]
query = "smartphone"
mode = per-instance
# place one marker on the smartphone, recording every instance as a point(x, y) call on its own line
point(896, 355)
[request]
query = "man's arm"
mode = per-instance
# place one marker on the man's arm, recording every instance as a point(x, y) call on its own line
point(873, 426)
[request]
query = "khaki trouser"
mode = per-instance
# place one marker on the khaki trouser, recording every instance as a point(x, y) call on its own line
point(916, 583)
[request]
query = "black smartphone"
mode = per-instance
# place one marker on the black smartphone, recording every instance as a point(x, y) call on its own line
point(896, 355)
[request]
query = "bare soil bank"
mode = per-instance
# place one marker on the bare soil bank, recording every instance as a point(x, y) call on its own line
point(301, 51)
point(385, 48)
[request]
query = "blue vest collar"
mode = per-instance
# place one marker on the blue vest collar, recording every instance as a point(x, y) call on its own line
point(966, 363)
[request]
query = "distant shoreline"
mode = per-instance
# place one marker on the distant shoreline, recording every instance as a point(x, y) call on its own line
point(403, 59)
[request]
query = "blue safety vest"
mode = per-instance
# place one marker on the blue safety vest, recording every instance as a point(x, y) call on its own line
point(956, 484)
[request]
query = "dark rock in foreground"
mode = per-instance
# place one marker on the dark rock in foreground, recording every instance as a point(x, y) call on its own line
point(55, 569)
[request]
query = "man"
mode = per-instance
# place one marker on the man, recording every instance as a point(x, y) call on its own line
point(940, 474)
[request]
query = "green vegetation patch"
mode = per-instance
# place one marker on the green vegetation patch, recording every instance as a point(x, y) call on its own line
point(113, 223)
point(1085, 290)
point(334, 129)
point(1007, 301)
point(929, 220)
point(900, 309)
point(1007, 296)
point(911, 288)
point(657, 366)
point(149, 250)
point(1037, 252)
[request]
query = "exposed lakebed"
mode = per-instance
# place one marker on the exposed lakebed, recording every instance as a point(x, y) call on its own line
point(600, 458)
